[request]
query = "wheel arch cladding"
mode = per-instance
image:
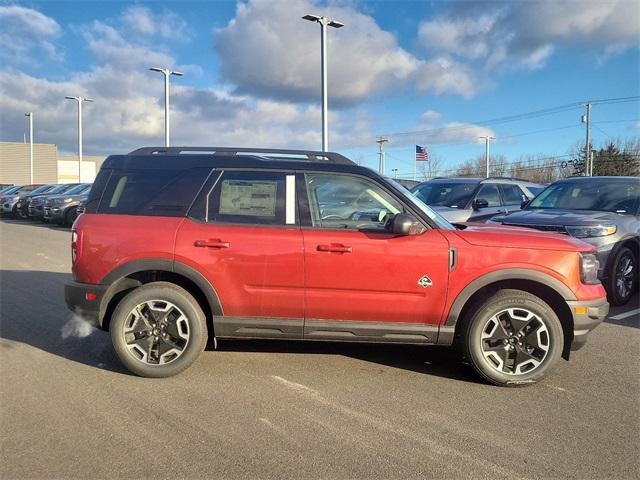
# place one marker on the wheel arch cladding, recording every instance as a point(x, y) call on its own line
point(140, 272)
point(547, 288)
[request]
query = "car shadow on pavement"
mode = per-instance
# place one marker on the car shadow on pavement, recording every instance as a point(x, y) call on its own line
point(438, 361)
point(33, 312)
point(34, 223)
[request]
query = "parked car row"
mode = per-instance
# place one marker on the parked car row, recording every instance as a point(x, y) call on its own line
point(603, 211)
point(56, 203)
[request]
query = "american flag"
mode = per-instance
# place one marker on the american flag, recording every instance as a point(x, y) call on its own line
point(422, 154)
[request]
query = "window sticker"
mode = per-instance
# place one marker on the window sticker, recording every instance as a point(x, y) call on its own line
point(255, 198)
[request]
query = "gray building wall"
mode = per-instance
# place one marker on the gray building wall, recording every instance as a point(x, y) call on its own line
point(14, 163)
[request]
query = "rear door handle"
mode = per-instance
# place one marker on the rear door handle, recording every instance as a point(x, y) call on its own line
point(212, 243)
point(334, 248)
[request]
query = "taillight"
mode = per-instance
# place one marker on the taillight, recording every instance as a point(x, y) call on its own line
point(74, 246)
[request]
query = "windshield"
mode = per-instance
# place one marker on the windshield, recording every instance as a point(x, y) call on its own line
point(42, 189)
point(591, 194)
point(436, 217)
point(78, 189)
point(454, 194)
point(535, 190)
point(11, 190)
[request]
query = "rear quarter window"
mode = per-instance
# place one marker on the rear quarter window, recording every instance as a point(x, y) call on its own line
point(148, 192)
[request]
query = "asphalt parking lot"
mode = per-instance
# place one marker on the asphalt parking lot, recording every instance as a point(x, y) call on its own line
point(292, 410)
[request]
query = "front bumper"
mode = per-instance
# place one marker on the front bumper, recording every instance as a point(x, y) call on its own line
point(7, 207)
point(77, 299)
point(587, 315)
point(53, 213)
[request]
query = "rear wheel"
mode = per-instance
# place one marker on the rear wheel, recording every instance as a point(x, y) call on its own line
point(158, 330)
point(622, 281)
point(513, 338)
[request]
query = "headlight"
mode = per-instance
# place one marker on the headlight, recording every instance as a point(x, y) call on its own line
point(592, 231)
point(589, 265)
point(60, 201)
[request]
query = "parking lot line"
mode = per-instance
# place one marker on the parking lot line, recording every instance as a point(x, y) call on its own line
point(626, 314)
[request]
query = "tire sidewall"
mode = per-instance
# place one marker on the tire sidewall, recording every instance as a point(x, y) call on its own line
point(614, 298)
point(70, 216)
point(181, 299)
point(496, 304)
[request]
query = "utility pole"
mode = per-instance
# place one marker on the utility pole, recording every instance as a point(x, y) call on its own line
point(381, 141)
point(395, 173)
point(588, 159)
point(167, 73)
point(324, 23)
point(80, 101)
point(30, 115)
point(487, 141)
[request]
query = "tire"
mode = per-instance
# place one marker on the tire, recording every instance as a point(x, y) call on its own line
point(622, 278)
point(70, 217)
point(491, 337)
point(147, 353)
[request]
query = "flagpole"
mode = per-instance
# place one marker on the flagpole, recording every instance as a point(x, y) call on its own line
point(415, 166)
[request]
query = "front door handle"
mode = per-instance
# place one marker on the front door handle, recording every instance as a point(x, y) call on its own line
point(211, 243)
point(334, 248)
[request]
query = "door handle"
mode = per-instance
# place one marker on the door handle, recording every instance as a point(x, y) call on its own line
point(334, 248)
point(213, 243)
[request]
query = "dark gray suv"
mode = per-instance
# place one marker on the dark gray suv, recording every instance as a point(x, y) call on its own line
point(603, 211)
point(475, 199)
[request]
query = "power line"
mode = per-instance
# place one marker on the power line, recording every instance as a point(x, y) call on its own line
point(521, 116)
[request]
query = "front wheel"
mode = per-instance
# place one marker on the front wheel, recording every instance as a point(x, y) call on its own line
point(70, 216)
point(158, 330)
point(513, 338)
point(622, 280)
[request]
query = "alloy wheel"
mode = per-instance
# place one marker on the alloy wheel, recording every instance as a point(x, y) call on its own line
point(515, 341)
point(156, 332)
point(624, 273)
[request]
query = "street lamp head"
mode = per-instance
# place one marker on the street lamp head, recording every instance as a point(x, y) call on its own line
point(27, 114)
point(156, 69)
point(312, 18)
point(87, 100)
point(336, 24)
point(178, 74)
point(68, 97)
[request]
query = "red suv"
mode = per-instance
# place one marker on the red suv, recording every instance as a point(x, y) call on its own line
point(180, 244)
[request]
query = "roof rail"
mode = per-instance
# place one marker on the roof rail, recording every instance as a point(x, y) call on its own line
point(268, 153)
point(510, 178)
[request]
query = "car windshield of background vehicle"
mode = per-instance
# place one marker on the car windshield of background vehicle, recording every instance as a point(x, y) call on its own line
point(78, 189)
point(535, 190)
point(438, 219)
point(453, 195)
point(599, 195)
point(43, 189)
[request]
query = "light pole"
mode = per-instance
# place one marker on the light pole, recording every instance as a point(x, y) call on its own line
point(167, 73)
point(80, 101)
point(487, 140)
point(30, 115)
point(324, 23)
point(588, 167)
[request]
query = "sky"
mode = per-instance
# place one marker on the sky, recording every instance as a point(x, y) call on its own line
point(437, 74)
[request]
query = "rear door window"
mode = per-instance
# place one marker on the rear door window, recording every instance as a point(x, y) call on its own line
point(248, 197)
point(150, 192)
point(490, 193)
point(512, 194)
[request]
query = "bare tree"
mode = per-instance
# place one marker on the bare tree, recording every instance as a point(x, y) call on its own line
point(429, 169)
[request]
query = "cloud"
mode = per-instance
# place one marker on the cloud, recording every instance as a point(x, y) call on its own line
point(25, 30)
point(268, 51)
point(166, 24)
point(526, 34)
point(430, 116)
point(445, 75)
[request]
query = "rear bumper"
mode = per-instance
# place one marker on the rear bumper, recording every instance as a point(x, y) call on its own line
point(587, 315)
point(77, 299)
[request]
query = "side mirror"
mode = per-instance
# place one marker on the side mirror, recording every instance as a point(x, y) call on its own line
point(524, 203)
point(479, 203)
point(405, 224)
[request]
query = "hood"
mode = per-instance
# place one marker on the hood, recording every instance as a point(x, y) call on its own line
point(485, 235)
point(558, 217)
point(453, 215)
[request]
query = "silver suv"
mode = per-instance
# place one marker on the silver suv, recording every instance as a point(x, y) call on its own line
point(603, 211)
point(475, 199)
